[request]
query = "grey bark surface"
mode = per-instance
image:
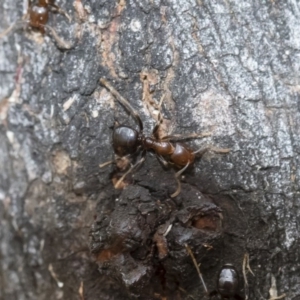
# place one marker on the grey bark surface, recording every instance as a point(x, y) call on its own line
point(226, 67)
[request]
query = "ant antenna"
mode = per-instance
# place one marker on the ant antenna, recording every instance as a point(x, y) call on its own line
point(61, 43)
point(177, 175)
point(123, 101)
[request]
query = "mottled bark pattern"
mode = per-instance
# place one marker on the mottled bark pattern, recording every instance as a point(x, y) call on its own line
point(230, 68)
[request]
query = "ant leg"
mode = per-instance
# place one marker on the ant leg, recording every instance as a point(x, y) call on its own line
point(177, 137)
point(177, 192)
point(162, 160)
point(155, 129)
point(60, 11)
point(142, 159)
point(202, 151)
point(123, 101)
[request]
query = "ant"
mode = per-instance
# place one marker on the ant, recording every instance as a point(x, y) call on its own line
point(128, 141)
point(37, 17)
point(227, 283)
point(39, 14)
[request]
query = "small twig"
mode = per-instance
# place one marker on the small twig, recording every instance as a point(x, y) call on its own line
point(273, 290)
point(246, 266)
point(80, 291)
point(106, 163)
point(279, 297)
point(245, 277)
point(122, 100)
point(60, 284)
point(196, 266)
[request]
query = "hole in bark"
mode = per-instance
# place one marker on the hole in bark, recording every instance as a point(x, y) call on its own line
point(207, 222)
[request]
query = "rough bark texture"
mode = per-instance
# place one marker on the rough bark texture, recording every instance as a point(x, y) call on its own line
point(226, 67)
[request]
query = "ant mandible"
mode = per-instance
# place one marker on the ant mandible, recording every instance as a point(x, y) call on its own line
point(127, 141)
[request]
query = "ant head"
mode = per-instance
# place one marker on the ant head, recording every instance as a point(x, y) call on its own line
point(126, 140)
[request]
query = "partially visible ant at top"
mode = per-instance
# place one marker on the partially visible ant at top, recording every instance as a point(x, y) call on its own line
point(39, 13)
point(37, 17)
point(128, 141)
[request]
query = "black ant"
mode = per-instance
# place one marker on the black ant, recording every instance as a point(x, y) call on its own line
point(37, 17)
point(227, 283)
point(127, 141)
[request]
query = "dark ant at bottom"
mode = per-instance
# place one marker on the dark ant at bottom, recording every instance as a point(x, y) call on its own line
point(128, 141)
point(227, 283)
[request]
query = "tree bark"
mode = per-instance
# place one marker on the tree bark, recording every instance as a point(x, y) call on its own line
point(230, 69)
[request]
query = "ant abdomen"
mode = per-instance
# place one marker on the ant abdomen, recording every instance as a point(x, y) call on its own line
point(182, 155)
